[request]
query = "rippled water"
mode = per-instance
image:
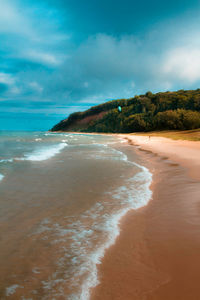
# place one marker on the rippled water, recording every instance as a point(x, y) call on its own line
point(62, 196)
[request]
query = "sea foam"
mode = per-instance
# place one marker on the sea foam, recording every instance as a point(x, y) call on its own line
point(44, 153)
point(87, 249)
point(135, 194)
point(6, 160)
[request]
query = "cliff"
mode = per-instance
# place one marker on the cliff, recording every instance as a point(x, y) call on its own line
point(178, 110)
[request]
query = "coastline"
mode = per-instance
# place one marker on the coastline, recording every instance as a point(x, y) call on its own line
point(186, 153)
point(156, 254)
point(44, 232)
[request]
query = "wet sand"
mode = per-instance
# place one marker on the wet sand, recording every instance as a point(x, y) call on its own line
point(156, 256)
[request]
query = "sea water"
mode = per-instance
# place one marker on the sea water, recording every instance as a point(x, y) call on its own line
point(62, 196)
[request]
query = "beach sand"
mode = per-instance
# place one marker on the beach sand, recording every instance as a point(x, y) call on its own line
point(186, 153)
point(156, 256)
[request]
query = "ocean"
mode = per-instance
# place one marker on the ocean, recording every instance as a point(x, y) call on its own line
point(62, 196)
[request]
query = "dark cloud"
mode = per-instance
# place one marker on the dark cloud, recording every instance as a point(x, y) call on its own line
point(118, 17)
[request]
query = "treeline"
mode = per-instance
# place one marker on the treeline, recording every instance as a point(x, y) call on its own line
point(179, 119)
point(169, 110)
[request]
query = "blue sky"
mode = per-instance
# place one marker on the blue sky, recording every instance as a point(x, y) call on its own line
point(57, 57)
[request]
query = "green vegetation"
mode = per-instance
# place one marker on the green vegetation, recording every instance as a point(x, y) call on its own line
point(189, 135)
point(162, 111)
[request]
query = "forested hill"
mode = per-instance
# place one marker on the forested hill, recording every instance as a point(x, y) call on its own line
point(162, 111)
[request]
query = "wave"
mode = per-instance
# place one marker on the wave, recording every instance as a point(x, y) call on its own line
point(56, 134)
point(44, 153)
point(135, 194)
point(6, 160)
point(90, 240)
point(96, 229)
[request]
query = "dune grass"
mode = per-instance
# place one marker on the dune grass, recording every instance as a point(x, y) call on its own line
point(190, 135)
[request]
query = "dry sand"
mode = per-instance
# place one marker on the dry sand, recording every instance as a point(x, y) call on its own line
point(186, 153)
point(157, 254)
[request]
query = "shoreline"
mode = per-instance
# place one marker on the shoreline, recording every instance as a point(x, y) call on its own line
point(184, 152)
point(116, 219)
point(139, 267)
point(93, 281)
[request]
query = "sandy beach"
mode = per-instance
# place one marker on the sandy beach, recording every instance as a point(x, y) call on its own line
point(156, 256)
point(186, 153)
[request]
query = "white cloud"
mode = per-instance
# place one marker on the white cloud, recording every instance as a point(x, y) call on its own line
point(15, 90)
point(24, 36)
point(14, 20)
point(36, 86)
point(183, 63)
point(7, 79)
point(105, 55)
point(43, 57)
point(11, 82)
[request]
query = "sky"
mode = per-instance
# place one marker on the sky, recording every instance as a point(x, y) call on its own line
point(62, 56)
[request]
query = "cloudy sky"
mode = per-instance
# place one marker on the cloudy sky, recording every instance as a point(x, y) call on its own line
point(61, 56)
